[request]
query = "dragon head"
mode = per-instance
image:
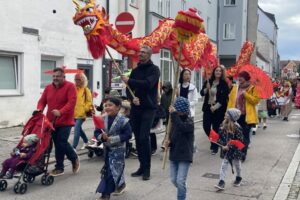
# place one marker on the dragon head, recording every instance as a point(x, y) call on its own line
point(90, 18)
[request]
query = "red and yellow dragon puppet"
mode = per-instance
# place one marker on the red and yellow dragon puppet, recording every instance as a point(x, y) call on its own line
point(196, 52)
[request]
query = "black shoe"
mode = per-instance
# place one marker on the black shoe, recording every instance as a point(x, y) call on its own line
point(146, 175)
point(138, 173)
point(237, 181)
point(253, 132)
point(221, 185)
point(264, 127)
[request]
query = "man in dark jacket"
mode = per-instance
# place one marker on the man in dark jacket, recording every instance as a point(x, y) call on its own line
point(143, 81)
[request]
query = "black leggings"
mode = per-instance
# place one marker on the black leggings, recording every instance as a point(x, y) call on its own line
point(212, 120)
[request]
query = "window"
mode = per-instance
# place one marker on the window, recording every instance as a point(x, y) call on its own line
point(10, 74)
point(160, 7)
point(46, 78)
point(229, 32)
point(229, 3)
point(165, 65)
point(134, 3)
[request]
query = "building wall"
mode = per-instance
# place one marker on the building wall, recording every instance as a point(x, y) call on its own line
point(266, 48)
point(236, 15)
point(268, 28)
point(58, 39)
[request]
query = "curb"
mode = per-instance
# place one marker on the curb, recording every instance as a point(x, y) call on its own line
point(285, 185)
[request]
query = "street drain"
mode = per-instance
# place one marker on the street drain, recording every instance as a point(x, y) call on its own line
point(211, 175)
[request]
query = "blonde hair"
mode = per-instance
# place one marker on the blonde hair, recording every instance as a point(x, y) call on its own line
point(83, 78)
point(228, 126)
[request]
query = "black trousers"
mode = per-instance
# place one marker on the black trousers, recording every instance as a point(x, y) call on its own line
point(246, 133)
point(212, 120)
point(141, 121)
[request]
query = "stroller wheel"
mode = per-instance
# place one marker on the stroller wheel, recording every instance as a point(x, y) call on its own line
point(49, 180)
point(3, 185)
point(17, 187)
point(90, 154)
point(28, 178)
point(43, 180)
point(23, 188)
point(99, 152)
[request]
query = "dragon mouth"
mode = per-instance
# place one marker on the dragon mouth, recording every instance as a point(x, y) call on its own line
point(88, 23)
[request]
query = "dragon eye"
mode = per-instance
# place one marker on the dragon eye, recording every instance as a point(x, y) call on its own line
point(89, 9)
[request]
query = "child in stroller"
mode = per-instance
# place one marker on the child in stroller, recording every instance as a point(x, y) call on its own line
point(31, 156)
point(20, 154)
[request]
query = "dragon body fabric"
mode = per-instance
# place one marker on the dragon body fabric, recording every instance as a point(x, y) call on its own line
point(196, 52)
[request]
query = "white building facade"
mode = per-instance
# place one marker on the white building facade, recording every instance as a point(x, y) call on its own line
point(36, 36)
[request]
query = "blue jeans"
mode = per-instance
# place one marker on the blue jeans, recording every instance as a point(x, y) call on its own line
point(178, 174)
point(78, 132)
point(62, 146)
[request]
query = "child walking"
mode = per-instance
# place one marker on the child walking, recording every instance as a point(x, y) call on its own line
point(116, 132)
point(181, 145)
point(230, 154)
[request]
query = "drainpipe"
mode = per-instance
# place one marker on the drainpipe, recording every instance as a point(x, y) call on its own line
point(147, 23)
point(126, 5)
point(107, 7)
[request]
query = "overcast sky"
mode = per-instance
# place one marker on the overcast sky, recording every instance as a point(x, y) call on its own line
point(288, 20)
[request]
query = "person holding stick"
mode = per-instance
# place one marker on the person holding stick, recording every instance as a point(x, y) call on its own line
point(181, 144)
point(143, 81)
point(215, 91)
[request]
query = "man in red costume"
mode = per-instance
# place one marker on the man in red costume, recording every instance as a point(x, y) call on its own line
point(60, 97)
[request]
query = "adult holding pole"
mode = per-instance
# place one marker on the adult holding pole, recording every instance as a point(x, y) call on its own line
point(143, 81)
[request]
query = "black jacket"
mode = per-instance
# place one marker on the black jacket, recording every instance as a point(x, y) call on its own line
point(143, 81)
point(221, 97)
point(181, 138)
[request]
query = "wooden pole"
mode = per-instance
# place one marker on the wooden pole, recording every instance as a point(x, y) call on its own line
point(119, 70)
point(172, 103)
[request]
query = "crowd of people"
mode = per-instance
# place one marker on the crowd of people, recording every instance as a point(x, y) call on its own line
point(232, 110)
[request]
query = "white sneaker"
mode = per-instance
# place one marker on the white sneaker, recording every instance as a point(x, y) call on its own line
point(84, 145)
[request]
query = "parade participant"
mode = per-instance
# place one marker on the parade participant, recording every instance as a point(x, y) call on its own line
point(286, 107)
point(106, 94)
point(188, 90)
point(60, 98)
point(143, 80)
point(116, 132)
point(165, 102)
point(83, 106)
point(244, 97)
point(22, 152)
point(263, 112)
point(181, 145)
point(230, 154)
point(215, 92)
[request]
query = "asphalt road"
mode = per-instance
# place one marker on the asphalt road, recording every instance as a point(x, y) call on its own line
point(269, 157)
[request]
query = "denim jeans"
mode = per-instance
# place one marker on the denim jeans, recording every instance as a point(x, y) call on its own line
point(62, 146)
point(78, 132)
point(178, 175)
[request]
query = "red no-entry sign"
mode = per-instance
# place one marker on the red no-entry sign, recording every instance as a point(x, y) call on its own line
point(125, 22)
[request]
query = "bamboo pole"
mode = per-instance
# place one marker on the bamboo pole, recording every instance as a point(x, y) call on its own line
point(119, 70)
point(172, 103)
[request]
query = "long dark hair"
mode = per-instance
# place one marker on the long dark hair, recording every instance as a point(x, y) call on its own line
point(181, 75)
point(213, 77)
